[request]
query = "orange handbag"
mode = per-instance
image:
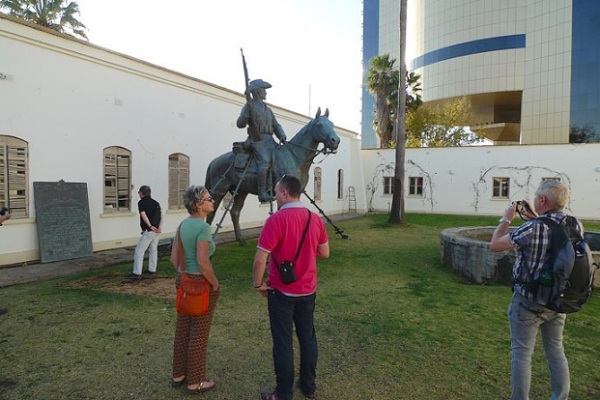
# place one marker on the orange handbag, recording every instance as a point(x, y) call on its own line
point(193, 295)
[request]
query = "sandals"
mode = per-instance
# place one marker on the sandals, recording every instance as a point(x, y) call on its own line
point(203, 387)
point(176, 384)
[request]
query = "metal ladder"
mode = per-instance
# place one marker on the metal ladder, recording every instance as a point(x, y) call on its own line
point(351, 199)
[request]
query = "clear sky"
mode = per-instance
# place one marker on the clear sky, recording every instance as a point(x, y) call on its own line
point(309, 50)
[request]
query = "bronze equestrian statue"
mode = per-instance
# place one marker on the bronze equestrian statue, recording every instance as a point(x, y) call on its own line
point(238, 168)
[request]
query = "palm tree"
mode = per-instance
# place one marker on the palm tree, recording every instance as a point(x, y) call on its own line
point(413, 92)
point(58, 15)
point(382, 82)
point(397, 206)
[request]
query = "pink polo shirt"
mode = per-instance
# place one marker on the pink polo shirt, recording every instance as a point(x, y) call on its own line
point(281, 237)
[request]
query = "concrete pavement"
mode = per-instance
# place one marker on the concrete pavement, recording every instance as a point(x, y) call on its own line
point(37, 271)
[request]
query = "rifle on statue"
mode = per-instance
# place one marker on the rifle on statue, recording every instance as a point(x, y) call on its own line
point(252, 132)
point(337, 230)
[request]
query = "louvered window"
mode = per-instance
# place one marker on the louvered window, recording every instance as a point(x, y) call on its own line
point(179, 179)
point(317, 188)
point(340, 184)
point(14, 176)
point(117, 179)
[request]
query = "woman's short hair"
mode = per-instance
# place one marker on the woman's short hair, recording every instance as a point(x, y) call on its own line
point(192, 196)
point(556, 192)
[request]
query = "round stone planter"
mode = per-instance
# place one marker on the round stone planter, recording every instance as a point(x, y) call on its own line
point(467, 251)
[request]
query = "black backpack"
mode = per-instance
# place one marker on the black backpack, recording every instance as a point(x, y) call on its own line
point(565, 280)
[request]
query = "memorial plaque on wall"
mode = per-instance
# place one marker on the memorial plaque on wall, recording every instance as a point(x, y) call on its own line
point(63, 220)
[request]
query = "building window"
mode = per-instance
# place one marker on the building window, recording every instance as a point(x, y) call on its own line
point(388, 183)
point(14, 180)
point(317, 183)
point(500, 189)
point(340, 185)
point(551, 179)
point(117, 179)
point(179, 179)
point(415, 188)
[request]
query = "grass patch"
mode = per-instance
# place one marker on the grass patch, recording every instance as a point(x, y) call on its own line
point(392, 323)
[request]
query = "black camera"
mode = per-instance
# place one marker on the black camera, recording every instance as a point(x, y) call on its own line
point(523, 206)
point(288, 275)
point(4, 210)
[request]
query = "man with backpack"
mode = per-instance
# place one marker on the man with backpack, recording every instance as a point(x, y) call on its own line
point(532, 242)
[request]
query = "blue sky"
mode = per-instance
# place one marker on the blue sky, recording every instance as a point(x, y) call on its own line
point(309, 50)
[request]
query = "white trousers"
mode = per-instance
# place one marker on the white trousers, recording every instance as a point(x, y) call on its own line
point(148, 241)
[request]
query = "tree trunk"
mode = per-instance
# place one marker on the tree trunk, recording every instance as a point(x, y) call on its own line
point(397, 208)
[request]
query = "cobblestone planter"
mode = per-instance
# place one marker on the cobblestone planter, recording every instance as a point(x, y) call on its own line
point(467, 251)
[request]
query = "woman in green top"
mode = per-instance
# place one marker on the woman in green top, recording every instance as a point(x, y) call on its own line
point(191, 333)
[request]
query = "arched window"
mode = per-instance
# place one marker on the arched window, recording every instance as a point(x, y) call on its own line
point(179, 179)
point(14, 176)
point(340, 184)
point(117, 179)
point(317, 183)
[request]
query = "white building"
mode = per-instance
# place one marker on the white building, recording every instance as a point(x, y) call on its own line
point(76, 112)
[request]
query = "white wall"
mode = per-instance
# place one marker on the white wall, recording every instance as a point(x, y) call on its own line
point(69, 100)
point(458, 180)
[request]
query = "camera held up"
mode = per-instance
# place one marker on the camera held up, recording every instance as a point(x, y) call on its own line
point(4, 210)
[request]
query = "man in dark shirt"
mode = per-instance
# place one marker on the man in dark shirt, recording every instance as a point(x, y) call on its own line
point(151, 224)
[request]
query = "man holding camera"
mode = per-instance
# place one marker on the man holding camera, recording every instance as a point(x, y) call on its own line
point(531, 242)
point(295, 237)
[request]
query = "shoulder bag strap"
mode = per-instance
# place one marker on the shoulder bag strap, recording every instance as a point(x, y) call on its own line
point(303, 236)
point(181, 257)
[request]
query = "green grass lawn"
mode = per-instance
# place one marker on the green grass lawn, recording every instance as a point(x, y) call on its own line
point(392, 322)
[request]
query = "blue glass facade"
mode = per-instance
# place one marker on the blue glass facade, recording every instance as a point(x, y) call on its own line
point(468, 48)
point(585, 72)
point(370, 50)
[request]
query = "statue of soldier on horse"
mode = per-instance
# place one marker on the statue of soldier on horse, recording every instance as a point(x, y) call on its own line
point(254, 166)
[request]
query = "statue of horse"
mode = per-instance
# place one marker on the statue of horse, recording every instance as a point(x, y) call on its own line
point(294, 157)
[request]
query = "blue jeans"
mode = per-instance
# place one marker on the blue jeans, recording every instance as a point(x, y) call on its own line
point(285, 311)
point(525, 319)
point(148, 241)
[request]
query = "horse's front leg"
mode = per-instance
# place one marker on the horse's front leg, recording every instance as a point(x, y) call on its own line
point(236, 210)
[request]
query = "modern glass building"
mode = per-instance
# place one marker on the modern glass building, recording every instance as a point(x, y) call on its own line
point(529, 67)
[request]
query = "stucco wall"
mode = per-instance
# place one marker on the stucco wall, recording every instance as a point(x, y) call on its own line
point(69, 100)
point(458, 180)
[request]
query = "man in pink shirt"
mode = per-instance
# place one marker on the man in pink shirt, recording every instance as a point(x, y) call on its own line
point(293, 234)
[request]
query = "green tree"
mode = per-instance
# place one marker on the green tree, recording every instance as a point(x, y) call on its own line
point(583, 134)
point(443, 125)
point(382, 83)
point(58, 15)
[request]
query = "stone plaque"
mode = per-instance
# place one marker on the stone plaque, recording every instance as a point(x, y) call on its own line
point(63, 220)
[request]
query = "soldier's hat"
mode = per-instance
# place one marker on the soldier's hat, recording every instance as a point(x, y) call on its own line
point(258, 84)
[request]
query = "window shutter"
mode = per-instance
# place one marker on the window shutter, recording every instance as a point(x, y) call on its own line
point(179, 179)
point(117, 179)
point(14, 175)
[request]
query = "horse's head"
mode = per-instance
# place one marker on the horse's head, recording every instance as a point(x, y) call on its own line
point(321, 129)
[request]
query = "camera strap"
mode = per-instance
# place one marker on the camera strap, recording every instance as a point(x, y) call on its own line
point(301, 241)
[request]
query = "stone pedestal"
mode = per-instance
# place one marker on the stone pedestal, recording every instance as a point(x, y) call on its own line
point(467, 251)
